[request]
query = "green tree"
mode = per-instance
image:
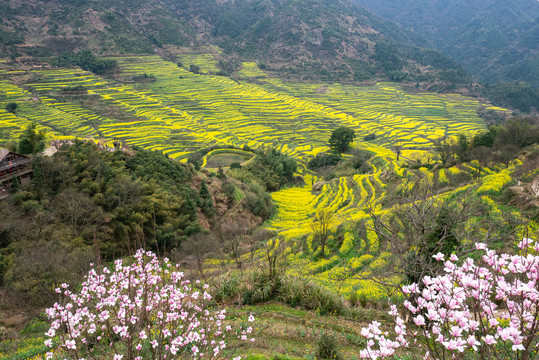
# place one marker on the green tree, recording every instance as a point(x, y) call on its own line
point(31, 141)
point(11, 107)
point(463, 146)
point(517, 131)
point(485, 139)
point(206, 200)
point(341, 138)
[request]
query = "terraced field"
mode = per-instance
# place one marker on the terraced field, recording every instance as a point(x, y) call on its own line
point(358, 255)
point(181, 112)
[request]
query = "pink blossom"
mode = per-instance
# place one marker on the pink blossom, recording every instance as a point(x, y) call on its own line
point(139, 300)
point(460, 305)
point(439, 256)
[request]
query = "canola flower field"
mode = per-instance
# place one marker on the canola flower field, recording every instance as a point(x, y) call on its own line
point(179, 112)
point(358, 256)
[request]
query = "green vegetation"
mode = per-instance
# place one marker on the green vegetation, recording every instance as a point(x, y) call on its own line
point(31, 141)
point(341, 138)
point(328, 348)
point(306, 204)
point(91, 203)
point(11, 107)
point(495, 41)
point(269, 169)
point(519, 96)
point(327, 234)
point(322, 160)
point(87, 61)
point(500, 144)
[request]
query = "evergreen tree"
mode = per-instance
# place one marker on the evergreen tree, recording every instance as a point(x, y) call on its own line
point(341, 138)
point(31, 141)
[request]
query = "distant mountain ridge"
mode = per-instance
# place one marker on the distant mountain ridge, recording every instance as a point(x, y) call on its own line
point(329, 40)
point(498, 40)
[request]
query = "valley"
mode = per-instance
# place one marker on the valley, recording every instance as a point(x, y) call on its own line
point(310, 170)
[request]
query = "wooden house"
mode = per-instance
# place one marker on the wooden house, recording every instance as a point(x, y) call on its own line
point(13, 168)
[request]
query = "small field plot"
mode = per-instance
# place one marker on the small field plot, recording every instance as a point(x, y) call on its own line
point(227, 158)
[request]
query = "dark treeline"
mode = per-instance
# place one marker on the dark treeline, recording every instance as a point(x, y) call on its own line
point(87, 61)
point(84, 205)
point(89, 205)
point(518, 96)
point(332, 165)
point(500, 143)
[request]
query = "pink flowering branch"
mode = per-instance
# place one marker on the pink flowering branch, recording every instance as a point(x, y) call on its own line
point(143, 310)
point(483, 310)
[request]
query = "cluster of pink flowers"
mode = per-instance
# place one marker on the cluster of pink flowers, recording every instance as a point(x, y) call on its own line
point(486, 310)
point(143, 310)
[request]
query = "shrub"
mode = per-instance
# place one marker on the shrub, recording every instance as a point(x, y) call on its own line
point(311, 296)
point(327, 348)
point(370, 137)
point(323, 159)
point(11, 107)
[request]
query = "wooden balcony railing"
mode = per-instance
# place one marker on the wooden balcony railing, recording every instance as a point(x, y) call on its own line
point(14, 163)
point(18, 172)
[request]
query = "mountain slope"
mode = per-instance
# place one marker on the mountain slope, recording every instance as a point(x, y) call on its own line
point(497, 40)
point(303, 39)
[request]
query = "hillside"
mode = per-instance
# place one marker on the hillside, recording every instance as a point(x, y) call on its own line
point(179, 112)
point(322, 40)
point(495, 40)
point(418, 158)
point(254, 178)
point(405, 167)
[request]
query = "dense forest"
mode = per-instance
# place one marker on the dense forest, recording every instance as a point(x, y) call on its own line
point(330, 41)
point(495, 40)
point(86, 204)
point(263, 178)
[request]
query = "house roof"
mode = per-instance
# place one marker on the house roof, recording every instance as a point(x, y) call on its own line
point(3, 153)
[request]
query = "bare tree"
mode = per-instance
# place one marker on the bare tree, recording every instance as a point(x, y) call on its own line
point(397, 148)
point(77, 209)
point(40, 267)
point(273, 251)
point(506, 153)
point(482, 154)
point(320, 227)
point(477, 168)
point(445, 149)
point(425, 223)
point(257, 240)
point(197, 250)
point(234, 236)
